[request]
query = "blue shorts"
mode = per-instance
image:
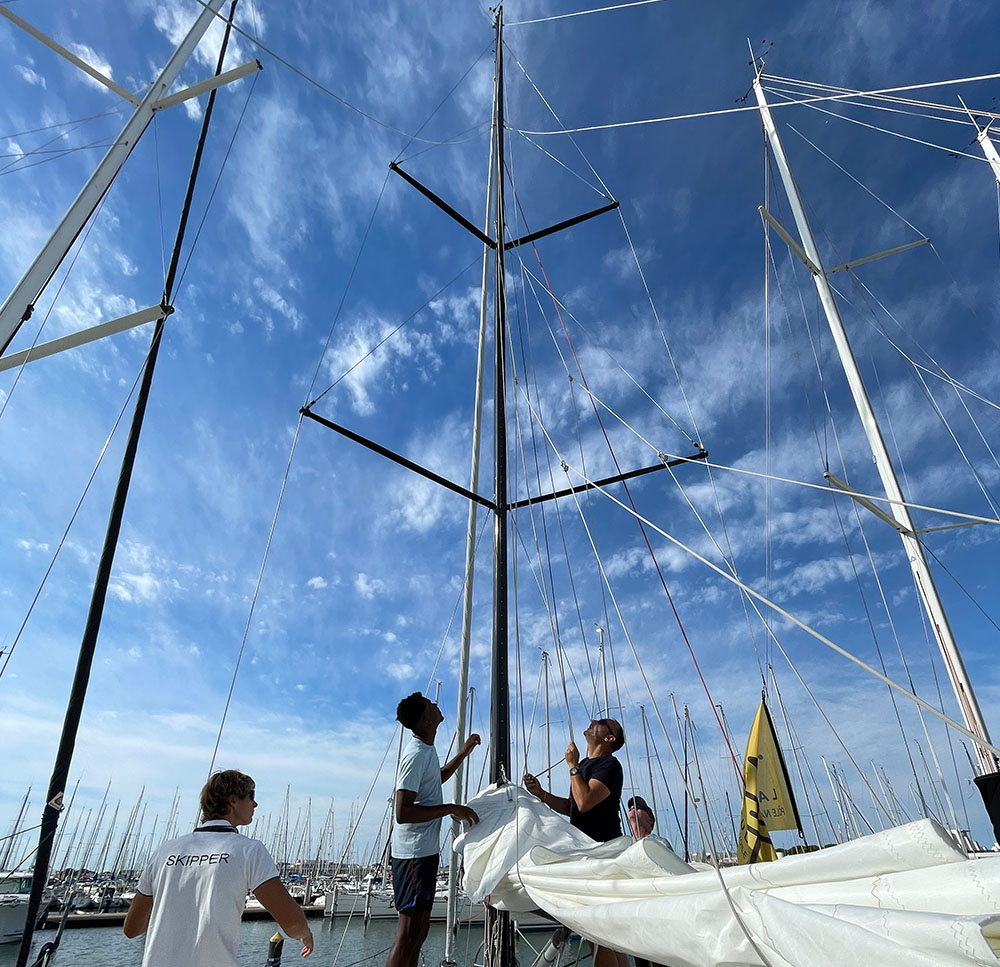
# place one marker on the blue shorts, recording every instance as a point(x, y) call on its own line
point(414, 882)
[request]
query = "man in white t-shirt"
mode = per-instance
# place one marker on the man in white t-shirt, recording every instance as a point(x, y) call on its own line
point(416, 837)
point(191, 894)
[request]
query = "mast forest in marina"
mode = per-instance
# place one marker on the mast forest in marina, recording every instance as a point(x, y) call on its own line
point(641, 327)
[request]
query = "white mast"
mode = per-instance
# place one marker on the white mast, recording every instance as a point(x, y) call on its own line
point(914, 550)
point(990, 150)
point(470, 563)
point(21, 302)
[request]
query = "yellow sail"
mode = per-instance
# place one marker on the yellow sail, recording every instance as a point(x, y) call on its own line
point(767, 798)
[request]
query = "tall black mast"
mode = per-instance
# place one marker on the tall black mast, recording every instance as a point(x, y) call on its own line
point(88, 644)
point(500, 705)
point(499, 946)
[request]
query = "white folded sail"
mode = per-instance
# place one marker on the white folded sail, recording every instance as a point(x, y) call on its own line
point(906, 896)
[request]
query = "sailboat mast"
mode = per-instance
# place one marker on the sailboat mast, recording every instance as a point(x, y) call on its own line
point(91, 631)
point(499, 941)
point(500, 701)
point(470, 563)
point(922, 575)
point(21, 302)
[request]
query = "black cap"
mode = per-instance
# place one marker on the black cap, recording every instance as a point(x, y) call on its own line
point(637, 802)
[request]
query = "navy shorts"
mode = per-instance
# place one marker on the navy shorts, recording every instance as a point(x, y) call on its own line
point(414, 882)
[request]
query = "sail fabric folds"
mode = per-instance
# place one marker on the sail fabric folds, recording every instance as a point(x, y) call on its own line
point(905, 897)
point(767, 796)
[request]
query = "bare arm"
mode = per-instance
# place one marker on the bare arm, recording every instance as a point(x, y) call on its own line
point(559, 803)
point(288, 914)
point(407, 811)
point(587, 793)
point(137, 918)
point(448, 769)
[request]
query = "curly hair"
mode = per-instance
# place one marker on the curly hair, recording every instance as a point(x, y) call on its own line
point(220, 786)
point(410, 710)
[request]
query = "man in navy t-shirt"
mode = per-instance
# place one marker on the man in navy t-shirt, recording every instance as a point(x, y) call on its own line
point(595, 792)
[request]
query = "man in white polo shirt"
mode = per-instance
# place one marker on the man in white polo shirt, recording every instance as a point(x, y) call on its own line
point(416, 837)
point(191, 894)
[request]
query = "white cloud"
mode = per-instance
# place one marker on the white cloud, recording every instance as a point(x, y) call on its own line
point(369, 354)
point(31, 546)
point(368, 587)
point(272, 298)
point(316, 583)
point(90, 57)
point(30, 76)
point(400, 670)
point(174, 19)
point(135, 587)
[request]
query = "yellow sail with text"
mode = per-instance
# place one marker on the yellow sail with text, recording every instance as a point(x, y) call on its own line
point(768, 803)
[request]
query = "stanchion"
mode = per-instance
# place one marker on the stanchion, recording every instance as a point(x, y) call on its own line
point(274, 951)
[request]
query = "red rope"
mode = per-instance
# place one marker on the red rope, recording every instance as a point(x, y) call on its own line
point(642, 529)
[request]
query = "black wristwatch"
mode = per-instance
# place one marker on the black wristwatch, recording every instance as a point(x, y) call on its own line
point(574, 771)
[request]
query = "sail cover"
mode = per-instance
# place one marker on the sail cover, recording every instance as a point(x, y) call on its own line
point(905, 897)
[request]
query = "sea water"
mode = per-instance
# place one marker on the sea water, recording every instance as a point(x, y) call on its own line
point(337, 945)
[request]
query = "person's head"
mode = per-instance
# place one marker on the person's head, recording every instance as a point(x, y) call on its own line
point(418, 713)
point(637, 803)
point(604, 736)
point(229, 795)
point(640, 817)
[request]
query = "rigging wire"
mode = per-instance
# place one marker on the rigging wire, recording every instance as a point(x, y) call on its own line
point(769, 604)
point(582, 13)
point(881, 130)
point(256, 591)
point(868, 296)
point(52, 305)
point(104, 449)
point(12, 168)
point(454, 611)
point(838, 89)
point(552, 488)
point(70, 125)
point(72, 518)
point(857, 181)
point(444, 100)
point(628, 493)
point(159, 200)
point(607, 352)
point(558, 513)
point(59, 124)
point(606, 191)
point(744, 109)
point(666, 455)
point(823, 452)
point(390, 333)
point(873, 105)
point(927, 640)
point(260, 45)
point(552, 611)
point(215, 184)
point(785, 614)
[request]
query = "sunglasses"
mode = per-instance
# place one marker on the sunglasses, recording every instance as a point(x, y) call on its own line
point(611, 726)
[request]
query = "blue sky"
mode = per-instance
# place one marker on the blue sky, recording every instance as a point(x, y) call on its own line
point(357, 604)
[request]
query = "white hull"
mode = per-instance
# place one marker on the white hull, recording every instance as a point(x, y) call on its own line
point(13, 912)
